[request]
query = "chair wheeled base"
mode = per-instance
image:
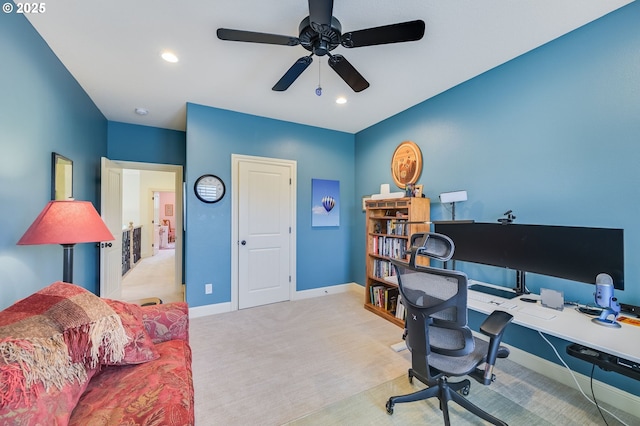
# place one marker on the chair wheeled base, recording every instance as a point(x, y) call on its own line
point(445, 391)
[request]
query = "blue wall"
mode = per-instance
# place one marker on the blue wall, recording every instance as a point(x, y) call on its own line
point(552, 135)
point(42, 109)
point(212, 136)
point(145, 144)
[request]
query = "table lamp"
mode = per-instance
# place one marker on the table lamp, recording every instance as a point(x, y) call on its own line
point(67, 222)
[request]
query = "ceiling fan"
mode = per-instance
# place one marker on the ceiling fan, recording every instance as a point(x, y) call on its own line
point(320, 33)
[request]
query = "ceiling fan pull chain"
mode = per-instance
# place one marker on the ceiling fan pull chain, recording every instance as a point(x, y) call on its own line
point(319, 88)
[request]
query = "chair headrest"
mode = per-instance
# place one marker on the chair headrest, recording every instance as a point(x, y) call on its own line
point(433, 245)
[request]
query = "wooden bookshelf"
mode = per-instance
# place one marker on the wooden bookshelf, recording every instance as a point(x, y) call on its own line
point(388, 238)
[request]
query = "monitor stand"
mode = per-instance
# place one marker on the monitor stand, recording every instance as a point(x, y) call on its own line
point(521, 287)
point(506, 293)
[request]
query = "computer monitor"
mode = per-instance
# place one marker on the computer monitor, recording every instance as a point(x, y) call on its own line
point(569, 252)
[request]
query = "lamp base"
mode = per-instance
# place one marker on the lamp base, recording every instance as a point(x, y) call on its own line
point(67, 263)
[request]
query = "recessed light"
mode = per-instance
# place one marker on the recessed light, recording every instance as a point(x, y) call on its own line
point(341, 100)
point(142, 111)
point(169, 57)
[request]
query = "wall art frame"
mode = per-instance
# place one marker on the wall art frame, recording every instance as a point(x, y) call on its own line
point(61, 177)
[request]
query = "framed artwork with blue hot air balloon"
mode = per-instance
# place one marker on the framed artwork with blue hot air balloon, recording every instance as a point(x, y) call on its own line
point(325, 202)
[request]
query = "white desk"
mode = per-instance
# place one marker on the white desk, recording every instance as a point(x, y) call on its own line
point(568, 324)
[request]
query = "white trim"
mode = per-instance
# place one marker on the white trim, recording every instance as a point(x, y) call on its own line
point(604, 393)
point(206, 310)
point(324, 291)
point(221, 308)
point(235, 162)
point(177, 170)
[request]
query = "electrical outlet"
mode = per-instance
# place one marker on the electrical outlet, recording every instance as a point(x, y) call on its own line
point(208, 288)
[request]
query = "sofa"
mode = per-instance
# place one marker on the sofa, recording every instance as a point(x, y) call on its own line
point(68, 357)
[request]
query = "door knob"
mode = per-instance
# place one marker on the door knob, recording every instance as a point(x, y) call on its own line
point(243, 242)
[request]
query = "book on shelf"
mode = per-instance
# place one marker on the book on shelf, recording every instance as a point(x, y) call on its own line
point(377, 295)
point(400, 309)
point(391, 299)
point(396, 227)
point(389, 247)
point(383, 269)
point(385, 298)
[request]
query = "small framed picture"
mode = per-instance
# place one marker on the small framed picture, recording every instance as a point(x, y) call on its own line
point(417, 191)
point(168, 209)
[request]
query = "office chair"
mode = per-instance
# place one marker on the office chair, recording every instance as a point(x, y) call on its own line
point(436, 330)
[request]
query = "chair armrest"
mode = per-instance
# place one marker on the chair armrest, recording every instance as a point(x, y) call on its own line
point(495, 324)
point(494, 327)
point(169, 321)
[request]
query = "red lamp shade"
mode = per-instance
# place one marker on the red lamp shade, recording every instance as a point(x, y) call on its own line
point(67, 222)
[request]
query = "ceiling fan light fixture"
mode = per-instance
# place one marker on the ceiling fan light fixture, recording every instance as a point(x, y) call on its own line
point(169, 57)
point(340, 100)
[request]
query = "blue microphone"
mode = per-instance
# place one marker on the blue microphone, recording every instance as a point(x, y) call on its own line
point(605, 299)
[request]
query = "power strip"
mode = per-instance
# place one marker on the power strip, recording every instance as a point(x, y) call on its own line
point(605, 361)
point(629, 309)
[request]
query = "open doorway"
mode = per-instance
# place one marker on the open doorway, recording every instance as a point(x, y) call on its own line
point(164, 205)
point(150, 208)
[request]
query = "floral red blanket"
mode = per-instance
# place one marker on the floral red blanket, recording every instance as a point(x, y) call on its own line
point(53, 336)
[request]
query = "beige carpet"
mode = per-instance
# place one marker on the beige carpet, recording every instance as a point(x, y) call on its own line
point(153, 276)
point(328, 361)
point(368, 408)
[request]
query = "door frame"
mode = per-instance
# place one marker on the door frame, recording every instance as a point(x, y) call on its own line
point(179, 206)
point(236, 159)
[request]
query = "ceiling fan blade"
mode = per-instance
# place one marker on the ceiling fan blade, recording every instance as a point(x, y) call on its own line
point(320, 13)
point(254, 37)
point(394, 33)
point(293, 73)
point(348, 73)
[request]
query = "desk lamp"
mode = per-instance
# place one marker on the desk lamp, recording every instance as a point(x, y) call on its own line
point(452, 198)
point(67, 222)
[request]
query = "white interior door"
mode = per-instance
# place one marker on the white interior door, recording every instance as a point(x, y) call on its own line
point(265, 238)
point(111, 206)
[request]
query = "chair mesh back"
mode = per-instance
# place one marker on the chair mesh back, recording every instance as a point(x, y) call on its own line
point(424, 290)
point(436, 303)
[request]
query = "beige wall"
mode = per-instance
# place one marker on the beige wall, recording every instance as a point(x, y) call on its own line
point(137, 203)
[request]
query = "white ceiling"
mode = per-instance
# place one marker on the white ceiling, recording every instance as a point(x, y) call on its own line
point(113, 50)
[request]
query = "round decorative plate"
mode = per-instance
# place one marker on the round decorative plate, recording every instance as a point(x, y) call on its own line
point(406, 164)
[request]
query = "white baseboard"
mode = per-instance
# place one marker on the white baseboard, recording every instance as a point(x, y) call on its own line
point(203, 311)
point(604, 393)
point(221, 308)
point(324, 291)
